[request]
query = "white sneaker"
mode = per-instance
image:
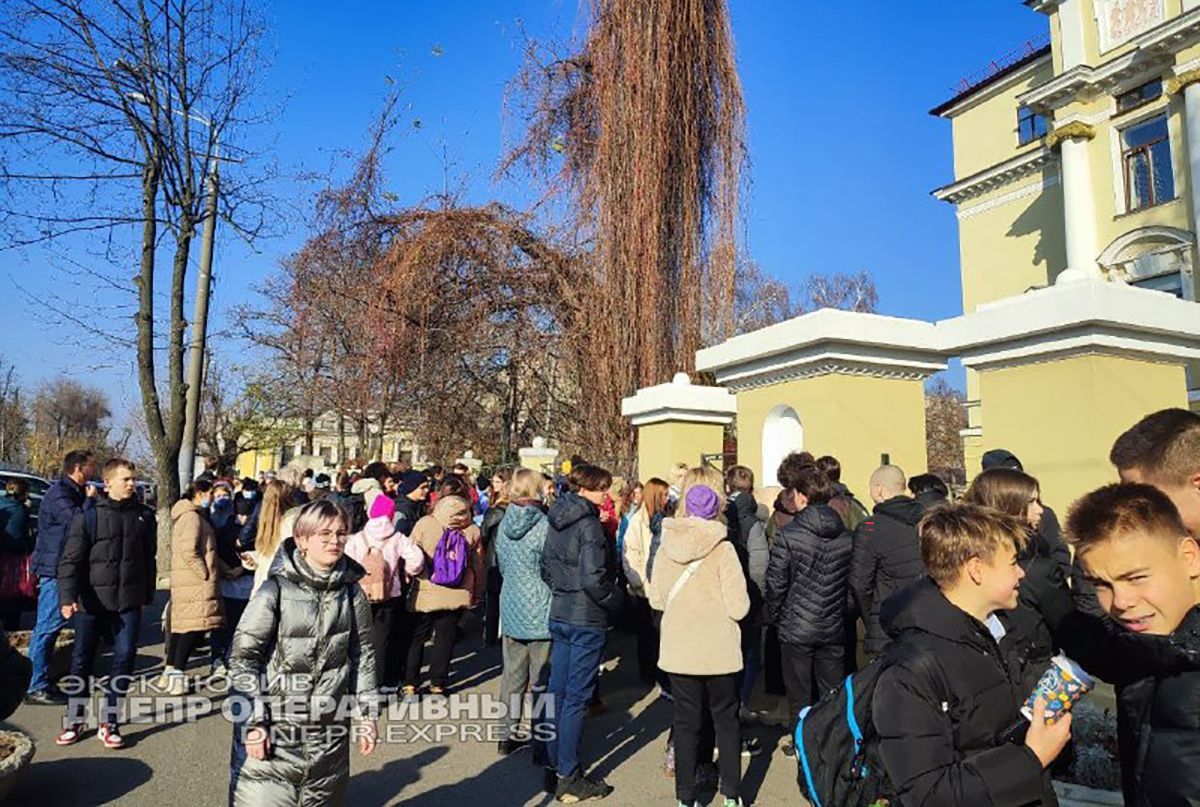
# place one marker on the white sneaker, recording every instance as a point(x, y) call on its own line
point(177, 685)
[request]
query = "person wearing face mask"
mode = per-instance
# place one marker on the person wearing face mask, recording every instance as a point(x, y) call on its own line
point(196, 570)
point(246, 500)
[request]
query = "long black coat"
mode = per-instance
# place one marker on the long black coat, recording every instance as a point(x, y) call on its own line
point(887, 558)
point(113, 570)
point(580, 565)
point(946, 742)
point(808, 578)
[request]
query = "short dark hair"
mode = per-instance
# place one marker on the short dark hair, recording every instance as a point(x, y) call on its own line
point(831, 467)
point(812, 483)
point(791, 465)
point(74, 461)
point(740, 478)
point(1162, 445)
point(928, 483)
point(589, 477)
point(1122, 509)
point(197, 486)
point(376, 470)
point(117, 462)
point(454, 485)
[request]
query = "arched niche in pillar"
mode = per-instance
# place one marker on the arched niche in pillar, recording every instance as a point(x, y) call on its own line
point(782, 434)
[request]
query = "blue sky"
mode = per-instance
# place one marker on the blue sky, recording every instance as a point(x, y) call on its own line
point(843, 151)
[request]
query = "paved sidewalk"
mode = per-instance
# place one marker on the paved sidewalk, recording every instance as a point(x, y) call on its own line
point(187, 764)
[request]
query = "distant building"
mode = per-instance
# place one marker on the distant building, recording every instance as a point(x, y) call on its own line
point(332, 449)
point(1083, 153)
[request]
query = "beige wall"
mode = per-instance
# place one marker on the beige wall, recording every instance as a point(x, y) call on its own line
point(1061, 417)
point(1013, 246)
point(986, 133)
point(661, 445)
point(854, 418)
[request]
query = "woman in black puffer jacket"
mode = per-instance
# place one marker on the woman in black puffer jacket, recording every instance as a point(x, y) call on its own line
point(808, 582)
point(304, 637)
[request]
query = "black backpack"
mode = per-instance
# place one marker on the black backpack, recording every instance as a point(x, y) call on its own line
point(837, 747)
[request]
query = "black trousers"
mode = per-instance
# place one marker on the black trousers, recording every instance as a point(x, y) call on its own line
point(391, 632)
point(809, 671)
point(182, 646)
point(222, 637)
point(646, 633)
point(716, 695)
point(773, 663)
point(491, 608)
point(443, 625)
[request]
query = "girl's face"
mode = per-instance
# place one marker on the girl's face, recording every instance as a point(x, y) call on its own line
point(635, 498)
point(1034, 510)
point(325, 547)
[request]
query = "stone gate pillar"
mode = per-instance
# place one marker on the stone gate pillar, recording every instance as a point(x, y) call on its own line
point(1064, 370)
point(678, 422)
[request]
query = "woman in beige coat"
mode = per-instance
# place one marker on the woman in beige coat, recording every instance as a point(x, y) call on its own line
point(196, 604)
point(439, 607)
point(698, 584)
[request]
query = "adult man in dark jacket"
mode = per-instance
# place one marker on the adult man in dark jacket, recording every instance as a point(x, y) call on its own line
point(807, 592)
point(579, 565)
point(62, 502)
point(106, 576)
point(887, 552)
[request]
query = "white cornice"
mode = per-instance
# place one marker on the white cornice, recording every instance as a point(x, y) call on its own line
point(1032, 189)
point(1086, 317)
point(997, 176)
point(823, 342)
point(680, 401)
point(1152, 52)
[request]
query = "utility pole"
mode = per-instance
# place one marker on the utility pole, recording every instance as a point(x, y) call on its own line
point(195, 373)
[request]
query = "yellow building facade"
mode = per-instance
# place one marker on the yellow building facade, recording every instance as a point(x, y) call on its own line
point(1080, 155)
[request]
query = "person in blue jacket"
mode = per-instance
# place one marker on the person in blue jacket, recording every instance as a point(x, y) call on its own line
point(62, 502)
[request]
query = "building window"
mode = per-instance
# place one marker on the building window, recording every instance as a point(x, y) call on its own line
point(1030, 125)
point(1146, 158)
point(1139, 95)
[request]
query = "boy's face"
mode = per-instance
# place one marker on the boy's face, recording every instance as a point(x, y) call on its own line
point(1145, 582)
point(1000, 578)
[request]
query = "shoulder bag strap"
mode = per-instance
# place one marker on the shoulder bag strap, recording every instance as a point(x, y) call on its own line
point(683, 578)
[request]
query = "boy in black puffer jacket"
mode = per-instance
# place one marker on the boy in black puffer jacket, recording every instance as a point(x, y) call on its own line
point(808, 577)
point(950, 727)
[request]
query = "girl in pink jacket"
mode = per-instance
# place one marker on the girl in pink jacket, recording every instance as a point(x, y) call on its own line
point(391, 560)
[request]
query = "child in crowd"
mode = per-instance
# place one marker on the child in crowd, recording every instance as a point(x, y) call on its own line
point(1136, 553)
point(306, 630)
point(947, 706)
point(388, 558)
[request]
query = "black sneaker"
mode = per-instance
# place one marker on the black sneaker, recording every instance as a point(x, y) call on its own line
point(45, 697)
point(549, 780)
point(509, 746)
point(581, 788)
point(541, 757)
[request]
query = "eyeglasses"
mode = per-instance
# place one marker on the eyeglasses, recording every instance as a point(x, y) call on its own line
point(331, 536)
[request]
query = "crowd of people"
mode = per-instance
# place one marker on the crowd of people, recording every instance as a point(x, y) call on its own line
point(954, 605)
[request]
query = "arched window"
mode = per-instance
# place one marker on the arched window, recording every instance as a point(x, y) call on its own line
point(1159, 258)
point(782, 434)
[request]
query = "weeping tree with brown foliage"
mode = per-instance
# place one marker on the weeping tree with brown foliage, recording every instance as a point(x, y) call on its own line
point(641, 133)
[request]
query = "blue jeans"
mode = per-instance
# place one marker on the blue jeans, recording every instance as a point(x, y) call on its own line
point(574, 662)
point(89, 628)
point(45, 633)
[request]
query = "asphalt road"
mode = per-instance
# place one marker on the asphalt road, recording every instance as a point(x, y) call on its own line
point(187, 764)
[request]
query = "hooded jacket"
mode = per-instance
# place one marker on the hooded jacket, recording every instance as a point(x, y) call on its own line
point(113, 570)
point(60, 505)
point(302, 637)
point(450, 512)
point(748, 532)
point(402, 558)
point(808, 578)
point(579, 564)
point(944, 742)
point(699, 632)
point(887, 558)
point(14, 526)
point(196, 603)
point(524, 597)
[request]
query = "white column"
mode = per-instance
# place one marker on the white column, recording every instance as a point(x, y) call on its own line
point(1070, 25)
point(1191, 112)
point(1079, 215)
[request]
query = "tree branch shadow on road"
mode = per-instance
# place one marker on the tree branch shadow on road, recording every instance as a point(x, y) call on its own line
point(80, 780)
point(510, 780)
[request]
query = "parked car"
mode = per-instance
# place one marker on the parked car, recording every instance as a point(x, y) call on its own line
point(37, 489)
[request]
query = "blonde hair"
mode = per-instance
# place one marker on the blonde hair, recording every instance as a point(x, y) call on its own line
point(525, 484)
point(315, 516)
point(952, 534)
point(276, 500)
point(708, 477)
point(679, 472)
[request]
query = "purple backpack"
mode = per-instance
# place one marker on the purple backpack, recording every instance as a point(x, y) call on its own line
point(450, 559)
